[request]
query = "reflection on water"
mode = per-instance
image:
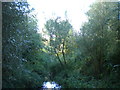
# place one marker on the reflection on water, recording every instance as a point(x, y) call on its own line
point(51, 85)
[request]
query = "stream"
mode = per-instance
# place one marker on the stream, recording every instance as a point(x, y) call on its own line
point(51, 85)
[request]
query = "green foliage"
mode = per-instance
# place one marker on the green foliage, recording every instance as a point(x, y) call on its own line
point(59, 32)
point(89, 59)
point(21, 47)
point(97, 36)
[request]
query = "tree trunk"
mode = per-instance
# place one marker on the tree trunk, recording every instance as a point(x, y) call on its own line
point(58, 57)
point(63, 53)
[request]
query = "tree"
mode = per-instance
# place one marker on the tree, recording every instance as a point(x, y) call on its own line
point(59, 32)
point(21, 46)
point(97, 35)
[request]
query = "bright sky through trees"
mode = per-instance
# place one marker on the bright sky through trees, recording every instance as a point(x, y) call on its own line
point(76, 9)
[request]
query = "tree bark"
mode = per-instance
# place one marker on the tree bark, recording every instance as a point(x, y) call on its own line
point(63, 53)
point(58, 57)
